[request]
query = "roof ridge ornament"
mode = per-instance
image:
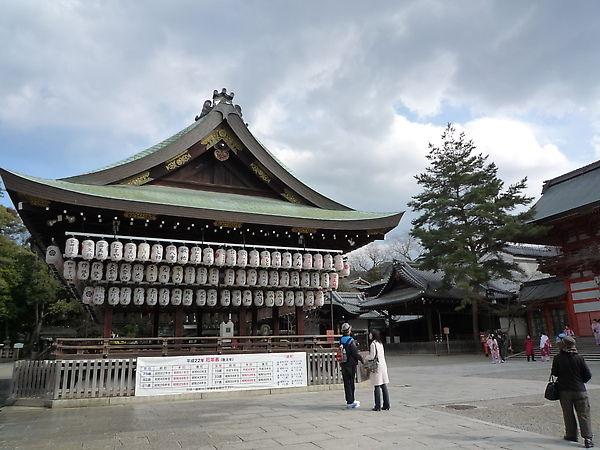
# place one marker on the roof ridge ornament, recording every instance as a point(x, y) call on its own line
point(219, 98)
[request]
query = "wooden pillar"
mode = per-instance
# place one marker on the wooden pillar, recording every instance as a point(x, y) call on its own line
point(179, 319)
point(199, 322)
point(108, 319)
point(429, 325)
point(390, 326)
point(300, 320)
point(254, 321)
point(242, 320)
point(275, 314)
point(156, 321)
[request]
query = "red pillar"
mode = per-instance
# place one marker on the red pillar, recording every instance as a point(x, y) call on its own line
point(275, 313)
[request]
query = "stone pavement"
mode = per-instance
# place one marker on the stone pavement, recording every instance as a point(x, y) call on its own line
point(459, 402)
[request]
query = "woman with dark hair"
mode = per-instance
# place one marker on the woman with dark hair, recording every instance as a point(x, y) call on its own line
point(379, 378)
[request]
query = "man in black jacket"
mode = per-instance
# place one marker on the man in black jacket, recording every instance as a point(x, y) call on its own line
point(573, 372)
point(349, 367)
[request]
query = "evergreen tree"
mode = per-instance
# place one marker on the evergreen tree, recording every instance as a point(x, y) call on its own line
point(467, 218)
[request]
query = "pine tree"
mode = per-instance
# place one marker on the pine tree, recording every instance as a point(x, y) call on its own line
point(467, 219)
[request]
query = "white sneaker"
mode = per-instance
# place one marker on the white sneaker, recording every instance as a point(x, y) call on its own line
point(356, 404)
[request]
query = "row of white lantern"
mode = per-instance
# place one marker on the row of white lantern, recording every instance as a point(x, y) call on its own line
point(98, 295)
point(143, 252)
point(152, 273)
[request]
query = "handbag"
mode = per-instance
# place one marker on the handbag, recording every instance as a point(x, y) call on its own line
point(551, 392)
point(372, 364)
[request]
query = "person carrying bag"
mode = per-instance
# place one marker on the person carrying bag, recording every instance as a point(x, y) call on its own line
point(379, 377)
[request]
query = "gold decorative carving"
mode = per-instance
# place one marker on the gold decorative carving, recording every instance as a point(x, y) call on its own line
point(221, 133)
point(223, 223)
point(376, 232)
point(138, 180)
point(289, 195)
point(35, 201)
point(304, 230)
point(260, 172)
point(138, 215)
point(178, 161)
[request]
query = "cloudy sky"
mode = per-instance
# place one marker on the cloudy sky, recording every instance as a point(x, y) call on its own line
point(347, 93)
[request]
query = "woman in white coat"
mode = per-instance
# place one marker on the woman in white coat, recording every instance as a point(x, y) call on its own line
point(380, 378)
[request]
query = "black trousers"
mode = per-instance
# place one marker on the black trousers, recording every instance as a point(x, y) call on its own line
point(349, 375)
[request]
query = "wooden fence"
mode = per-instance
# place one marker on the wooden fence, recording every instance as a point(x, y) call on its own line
point(97, 378)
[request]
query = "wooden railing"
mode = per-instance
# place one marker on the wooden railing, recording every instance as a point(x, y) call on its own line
point(75, 348)
point(100, 378)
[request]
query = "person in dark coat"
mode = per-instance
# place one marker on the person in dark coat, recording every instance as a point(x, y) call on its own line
point(349, 367)
point(530, 348)
point(501, 346)
point(572, 372)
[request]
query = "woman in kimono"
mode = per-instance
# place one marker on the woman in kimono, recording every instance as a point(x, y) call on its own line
point(545, 345)
point(494, 349)
point(379, 379)
point(596, 330)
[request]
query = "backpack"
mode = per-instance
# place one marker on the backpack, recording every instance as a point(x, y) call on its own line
point(341, 355)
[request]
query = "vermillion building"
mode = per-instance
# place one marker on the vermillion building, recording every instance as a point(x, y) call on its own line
point(205, 223)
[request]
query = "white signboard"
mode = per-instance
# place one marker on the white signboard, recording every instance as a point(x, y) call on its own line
point(189, 374)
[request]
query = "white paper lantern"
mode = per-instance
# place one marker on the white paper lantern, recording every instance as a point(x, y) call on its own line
point(156, 253)
point(138, 296)
point(171, 254)
point(284, 279)
point(240, 277)
point(112, 271)
point(254, 258)
point(208, 256)
point(242, 258)
point(276, 259)
point(202, 275)
point(190, 275)
point(318, 261)
point(54, 257)
point(129, 252)
point(346, 270)
point(247, 298)
point(113, 295)
point(201, 297)
point(137, 273)
point(319, 299)
point(286, 260)
point(83, 270)
point(213, 276)
point(259, 298)
point(305, 279)
point(71, 247)
point(307, 261)
point(176, 297)
point(188, 297)
point(252, 277)
point(334, 280)
point(325, 280)
point(299, 298)
point(263, 278)
point(230, 257)
point(196, 255)
point(151, 296)
point(225, 297)
point(220, 255)
point(328, 262)
point(236, 298)
point(229, 277)
point(164, 296)
point(309, 298)
point(102, 249)
point(294, 279)
point(297, 260)
point(152, 273)
point(125, 297)
point(265, 259)
point(143, 253)
point(88, 249)
point(315, 279)
point(164, 274)
point(289, 298)
point(279, 298)
point(338, 263)
point(88, 295)
point(273, 278)
point(211, 297)
point(99, 294)
point(183, 255)
point(270, 299)
point(177, 274)
point(116, 251)
point(97, 271)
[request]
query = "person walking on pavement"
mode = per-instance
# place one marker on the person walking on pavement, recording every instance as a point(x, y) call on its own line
point(379, 379)
point(573, 372)
point(545, 345)
point(501, 346)
point(494, 350)
point(349, 366)
point(596, 330)
point(530, 348)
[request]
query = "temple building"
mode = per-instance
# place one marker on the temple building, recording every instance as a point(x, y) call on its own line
point(204, 226)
